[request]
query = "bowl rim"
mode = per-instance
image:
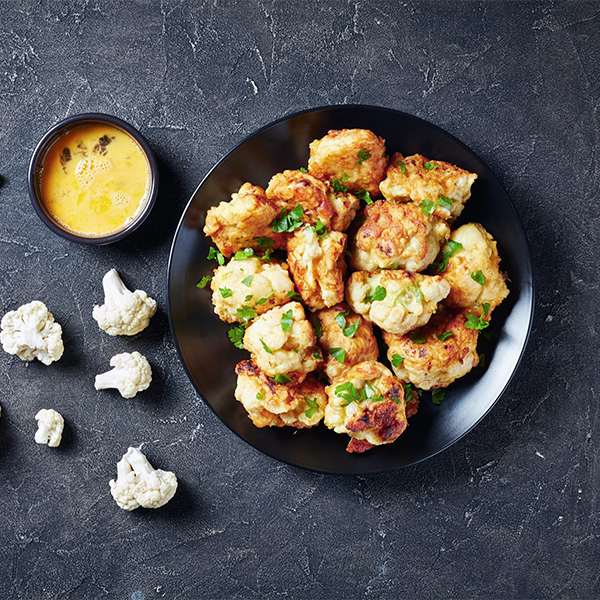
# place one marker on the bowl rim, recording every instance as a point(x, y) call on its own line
point(50, 137)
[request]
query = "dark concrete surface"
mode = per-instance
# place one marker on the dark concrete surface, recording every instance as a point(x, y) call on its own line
point(511, 511)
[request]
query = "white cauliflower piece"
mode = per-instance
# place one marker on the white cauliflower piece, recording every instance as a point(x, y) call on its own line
point(139, 484)
point(50, 427)
point(131, 374)
point(31, 332)
point(124, 312)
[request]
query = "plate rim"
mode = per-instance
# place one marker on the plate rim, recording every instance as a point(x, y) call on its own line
point(530, 285)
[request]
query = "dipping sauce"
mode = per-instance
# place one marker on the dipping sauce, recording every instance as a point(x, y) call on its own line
point(94, 179)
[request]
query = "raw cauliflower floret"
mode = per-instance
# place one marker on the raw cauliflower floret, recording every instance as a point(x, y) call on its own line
point(317, 265)
point(397, 236)
point(272, 404)
point(282, 343)
point(243, 221)
point(31, 332)
point(252, 282)
point(367, 403)
point(50, 427)
point(346, 335)
point(477, 260)
point(124, 312)
point(295, 188)
point(131, 374)
point(397, 301)
point(354, 157)
point(448, 352)
point(345, 206)
point(139, 484)
point(409, 178)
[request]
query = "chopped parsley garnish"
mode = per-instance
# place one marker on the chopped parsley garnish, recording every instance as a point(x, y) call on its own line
point(363, 155)
point(444, 336)
point(347, 330)
point(247, 280)
point(320, 229)
point(318, 328)
point(267, 349)
point(378, 295)
point(288, 221)
point(410, 392)
point(397, 359)
point(437, 396)
point(245, 313)
point(243, 254)
point(259, 396)
point(446, 254)
point(364, 196)
point(282, 378)
point(402, 167)
point(478, 322)
point(445, 202)
point(216, 255)
point(429, 166)
point(340, 319)
point(265, 299)
point(265, 242)
point(478, 277)
point(203, 282)
point(427, 206)
point(350, 394)
point(313, 407)
point(417, 337)
point(267, 254)
point(248, 298)
point(236, 335)
point(481, 360)
point(303, 170)
point(226, 292)
point(286, 320)
point(339, 354)
point(317, 355)
point(293, 296)
point(338, 184)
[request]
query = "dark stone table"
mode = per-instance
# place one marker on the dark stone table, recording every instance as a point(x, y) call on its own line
point(511, 511)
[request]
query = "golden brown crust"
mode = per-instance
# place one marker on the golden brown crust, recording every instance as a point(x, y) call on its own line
point(235, 225)
point(407, 179)
point(317, 266)
point(294, 188)
point(360, 347)
point(345, 206)
point(397, 236)
point(342, 152)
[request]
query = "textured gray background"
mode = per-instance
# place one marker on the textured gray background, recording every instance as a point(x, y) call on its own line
point(511, 511)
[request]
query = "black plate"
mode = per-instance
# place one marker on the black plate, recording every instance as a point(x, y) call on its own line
point(210, 358)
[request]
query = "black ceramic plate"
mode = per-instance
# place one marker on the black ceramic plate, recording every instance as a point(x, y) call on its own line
point(210, 358)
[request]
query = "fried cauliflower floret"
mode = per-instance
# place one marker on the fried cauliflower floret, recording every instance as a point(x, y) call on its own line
point(475, 263)
point(448, 352)
point(251, 282)
point(237, 224)
point(294, 188)
point(317, 265)
point(282, 343)
point(345, 206)
point(397, 301)
point(355, 157)
point(408, 178)
point(367, 403)
point(272, 404)
point(340, 331)
point(397, 236)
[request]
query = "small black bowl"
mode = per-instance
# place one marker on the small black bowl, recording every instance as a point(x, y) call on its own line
point(35, 166)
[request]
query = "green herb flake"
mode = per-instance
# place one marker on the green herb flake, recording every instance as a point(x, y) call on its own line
point(364, 196)
point(243, 254)
point(427, 206)
point(363, 155)
point(397, 360)
point(444, 336)
point(486, 308)
point(265, 299)
point(318, 328)
point(350, 330)
point(313, 407)
point(478, 277)
point(282, 379)
point(303, 170)
point(317, 355)
point(320, 229)
point(287, 320)
point(475, 322)
point(482, 360)
point(246, 313)
point(338, 185)
point(429, 166)
point(264, 242)
point(378, 295)
point(447, 252)
point(417, 337)
point(437, 396)
point(348, 393)
point(267, 255)
point(247, 280)
point(293, 296)
point(226, 292)
point(288, 222)
point(266, 348)
point(445, 202)
point(340, 319)
point(216, 255)
point(259, 396)
point(402, 167)
point(339, 354)
point(236, 335)
point(203, 282)
point(248, 298)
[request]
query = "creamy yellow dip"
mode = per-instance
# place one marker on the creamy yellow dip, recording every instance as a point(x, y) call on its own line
point(94, 179)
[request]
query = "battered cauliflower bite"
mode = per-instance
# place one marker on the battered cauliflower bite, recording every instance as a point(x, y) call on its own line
point(272, 404)
point(339, 330)
point(345, 206)
point(416, 178)
point(448, 352)
point(317, 265)
point(251, 282)
point(397, 236)
point(282, 343)
point(355, 157)
point(237, 224)
point(367, 403)
point(294, 188)
point(396, 301)
point(475, 263)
